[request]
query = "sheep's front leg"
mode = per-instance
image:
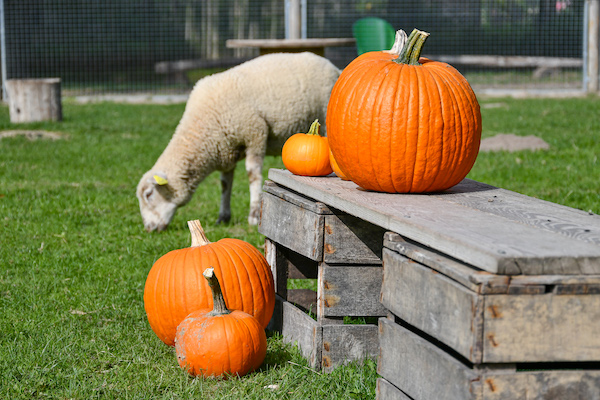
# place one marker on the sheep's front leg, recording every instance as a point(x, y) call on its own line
point(254, 164)
point(226, 186)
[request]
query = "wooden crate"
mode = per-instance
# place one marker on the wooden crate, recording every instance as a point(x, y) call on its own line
point(415, 368)
point(491, 294)
point(479, 333)
point(306, 239)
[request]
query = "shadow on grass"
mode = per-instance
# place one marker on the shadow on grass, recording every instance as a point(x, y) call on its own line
point(279, 353)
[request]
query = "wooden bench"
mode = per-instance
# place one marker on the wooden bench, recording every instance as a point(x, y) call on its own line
point(484, 293)
point(541, 66)
point(314, 45)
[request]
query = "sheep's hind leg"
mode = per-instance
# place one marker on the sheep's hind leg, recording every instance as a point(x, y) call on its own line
point(254, 164)
point(226, 186)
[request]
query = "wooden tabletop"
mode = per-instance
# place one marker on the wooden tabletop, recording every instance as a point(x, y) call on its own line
point(493, 229)
point(290, 43)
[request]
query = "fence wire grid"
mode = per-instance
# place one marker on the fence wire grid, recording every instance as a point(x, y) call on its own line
point(119, 46)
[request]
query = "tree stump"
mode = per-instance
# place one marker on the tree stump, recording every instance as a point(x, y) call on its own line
point(32, 100)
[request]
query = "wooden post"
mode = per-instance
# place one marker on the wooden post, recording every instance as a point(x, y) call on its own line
point(593, 45)
point(32, 100)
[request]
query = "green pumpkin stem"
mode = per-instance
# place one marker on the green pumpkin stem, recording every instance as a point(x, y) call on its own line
point(411, 52)
point(315, 128)
point(219, 306)
point(198, 236)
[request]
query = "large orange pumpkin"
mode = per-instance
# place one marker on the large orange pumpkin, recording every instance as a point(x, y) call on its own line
point(220, 342)
point(403, 124)
point(175, 286)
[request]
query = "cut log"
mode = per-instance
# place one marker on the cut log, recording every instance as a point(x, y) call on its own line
point(32, 100)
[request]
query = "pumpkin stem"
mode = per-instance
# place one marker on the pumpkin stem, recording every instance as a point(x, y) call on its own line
point(412, 50)
point(198, 236)
point(315, 128)
point(219, 306)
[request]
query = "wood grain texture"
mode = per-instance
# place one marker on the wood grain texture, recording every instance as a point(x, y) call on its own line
point(279, 266)
point(346, 343)
point(484, 282)
point(493, 328)
point(496, 243)
point(350, 240)
point(292, 226)
point(350, 291)
point(434, 304)
point(536, 328)
point(421, 370)
point(542, 385)
point(424, 371)
point(545, 215)
point(387, 391)
point(300, 329)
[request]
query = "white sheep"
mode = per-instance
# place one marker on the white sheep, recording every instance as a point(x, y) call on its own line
point(247, 111)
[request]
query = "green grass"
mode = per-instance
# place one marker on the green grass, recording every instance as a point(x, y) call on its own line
point(74, 255)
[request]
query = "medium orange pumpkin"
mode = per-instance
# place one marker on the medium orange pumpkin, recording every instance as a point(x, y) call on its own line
point(175, 286)
point(307, 154)
point(219, 342)
point(400, 123)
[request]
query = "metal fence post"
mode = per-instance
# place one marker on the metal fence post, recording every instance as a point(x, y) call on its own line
point(592, 46)
point(3, 51)
point(293, 24)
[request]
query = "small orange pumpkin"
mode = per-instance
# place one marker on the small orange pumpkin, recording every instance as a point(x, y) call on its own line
point(220, 342)
point(307, 154)
point(403, 124)
point(336, 168)
point(175, 286)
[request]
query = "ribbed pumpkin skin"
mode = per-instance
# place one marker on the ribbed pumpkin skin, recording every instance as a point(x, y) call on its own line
point(307, 154)
point(232, 344)
point(403, 128)
point(175, 286)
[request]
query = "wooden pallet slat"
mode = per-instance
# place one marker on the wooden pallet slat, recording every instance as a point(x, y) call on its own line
point(514, 326)
point(350, 290)
point(424, 371)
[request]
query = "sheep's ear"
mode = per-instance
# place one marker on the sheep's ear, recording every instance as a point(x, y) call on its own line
point(160, 179)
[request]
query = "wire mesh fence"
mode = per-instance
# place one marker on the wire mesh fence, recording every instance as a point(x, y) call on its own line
point(164, 46)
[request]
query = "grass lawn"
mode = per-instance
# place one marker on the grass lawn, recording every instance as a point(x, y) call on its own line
point(74, 255)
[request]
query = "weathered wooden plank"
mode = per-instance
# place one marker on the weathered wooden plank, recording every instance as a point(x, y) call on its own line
point(567, 221)
point(299, 328)
point(350, 240)
point(279, 266)
point(434, 304)
point(476, 280)
point(279, 216)
point(345, 343)
point(349, 291)
point(387, 391)
point(542, 385)
point(493, 328)
point(536, 328)
point(421, 370)
point(484, 282)
point(424, 371)
point(296, 199)
point(461, 232)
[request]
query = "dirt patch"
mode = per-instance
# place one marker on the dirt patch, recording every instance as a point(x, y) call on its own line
point(33, 135)
point(510, 142)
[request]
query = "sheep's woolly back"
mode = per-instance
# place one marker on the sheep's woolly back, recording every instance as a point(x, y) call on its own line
point(228, 114)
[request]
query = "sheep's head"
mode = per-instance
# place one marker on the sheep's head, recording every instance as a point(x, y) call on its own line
point(156, 201)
